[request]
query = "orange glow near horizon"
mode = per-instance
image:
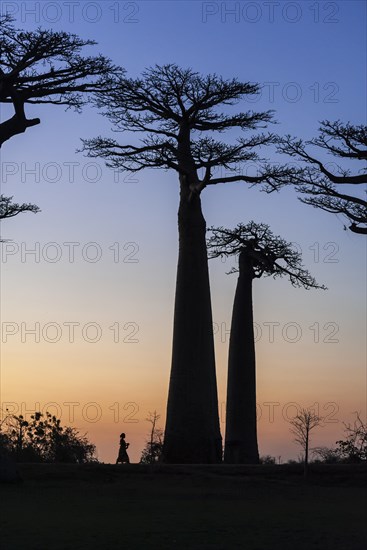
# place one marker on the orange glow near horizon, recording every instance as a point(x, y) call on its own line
point(103, 405)
point(91, 333)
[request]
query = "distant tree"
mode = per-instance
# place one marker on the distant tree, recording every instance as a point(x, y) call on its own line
point(301, 426)
point(292, 461)
point(260, 253)
point(168, 106)
point(4, 442)
point(14, 434)
point(267, 459)
point(44, 439)
point(8, 469)
point(354, 447)
point(326, 455)
point(153, 449)
point(330, 189)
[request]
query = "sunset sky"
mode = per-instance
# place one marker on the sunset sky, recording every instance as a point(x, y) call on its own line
point(98, 289)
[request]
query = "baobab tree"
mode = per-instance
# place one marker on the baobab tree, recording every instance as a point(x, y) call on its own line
point(330, 188)
point(260, 253)
point(301, 426)
point(39, 67)
point(176, 112)
point(44, 66)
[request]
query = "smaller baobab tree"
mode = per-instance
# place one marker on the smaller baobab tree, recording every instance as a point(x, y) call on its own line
point(301, 426)
point(260, 253)
point(334, 189)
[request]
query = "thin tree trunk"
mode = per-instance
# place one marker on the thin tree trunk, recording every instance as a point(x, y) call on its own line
point(305, 471)
point(192, 432)
point(241, 432)
point(152, 439)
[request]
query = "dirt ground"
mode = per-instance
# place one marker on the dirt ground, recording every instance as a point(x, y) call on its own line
point(62, 507)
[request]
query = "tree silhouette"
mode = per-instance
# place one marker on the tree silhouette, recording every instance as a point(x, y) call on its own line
point(168, 106)
point(329, 189)
point(8, 209)
point(260, 253)
point(153, 449)
point(301, 426)
point(354, 447)
point(44, 439)
point(44, 66)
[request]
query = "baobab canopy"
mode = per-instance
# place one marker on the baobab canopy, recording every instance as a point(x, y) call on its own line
point(270, 254)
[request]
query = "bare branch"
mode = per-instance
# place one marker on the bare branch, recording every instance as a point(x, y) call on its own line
point(169, 105)
point(319, 184)
point(9, 209)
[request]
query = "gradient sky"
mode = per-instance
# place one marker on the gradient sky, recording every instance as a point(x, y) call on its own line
point(310, 59)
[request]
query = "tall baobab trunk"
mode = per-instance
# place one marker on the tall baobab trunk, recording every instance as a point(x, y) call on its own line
point(241, 433)
point(192, 432)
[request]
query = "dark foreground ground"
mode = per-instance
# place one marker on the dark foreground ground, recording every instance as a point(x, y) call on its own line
point(62, 507)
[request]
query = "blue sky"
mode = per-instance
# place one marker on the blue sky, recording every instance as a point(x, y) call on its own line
point(311, 69)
